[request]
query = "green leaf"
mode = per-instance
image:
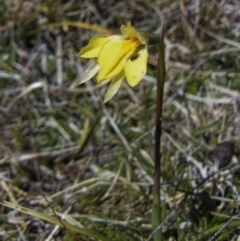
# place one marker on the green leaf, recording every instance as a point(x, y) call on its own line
point(54, 220)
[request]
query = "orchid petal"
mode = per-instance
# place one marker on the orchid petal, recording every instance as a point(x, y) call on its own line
point(113, 56)
point(114, 86)
point(132, 32)
point(94, 46)
point(128, 30)
point(90, 72)
point(142, 37)
point(136, 67)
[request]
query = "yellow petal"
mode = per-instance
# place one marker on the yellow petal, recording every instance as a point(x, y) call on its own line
point(113, 56)
point(114, 86)
point(94, 46)
point(143, 37)
point(136, 67)
point(91, 71)
point(128, 30)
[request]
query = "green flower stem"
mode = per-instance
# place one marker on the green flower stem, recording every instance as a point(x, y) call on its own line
point(153, 39)
point(156, 208)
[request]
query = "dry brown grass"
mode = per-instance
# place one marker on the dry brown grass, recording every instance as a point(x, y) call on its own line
point(94, 164)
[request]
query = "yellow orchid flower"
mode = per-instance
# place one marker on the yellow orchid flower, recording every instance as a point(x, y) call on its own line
point(117, 57)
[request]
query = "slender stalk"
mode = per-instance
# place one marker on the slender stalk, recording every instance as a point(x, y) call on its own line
point(156, 209)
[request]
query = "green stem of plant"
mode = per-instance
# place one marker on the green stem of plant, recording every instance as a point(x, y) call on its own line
point(156, 209)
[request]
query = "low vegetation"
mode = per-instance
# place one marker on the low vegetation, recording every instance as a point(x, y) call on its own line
point(74, 162)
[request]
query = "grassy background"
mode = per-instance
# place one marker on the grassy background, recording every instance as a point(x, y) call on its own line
point(94, 163)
